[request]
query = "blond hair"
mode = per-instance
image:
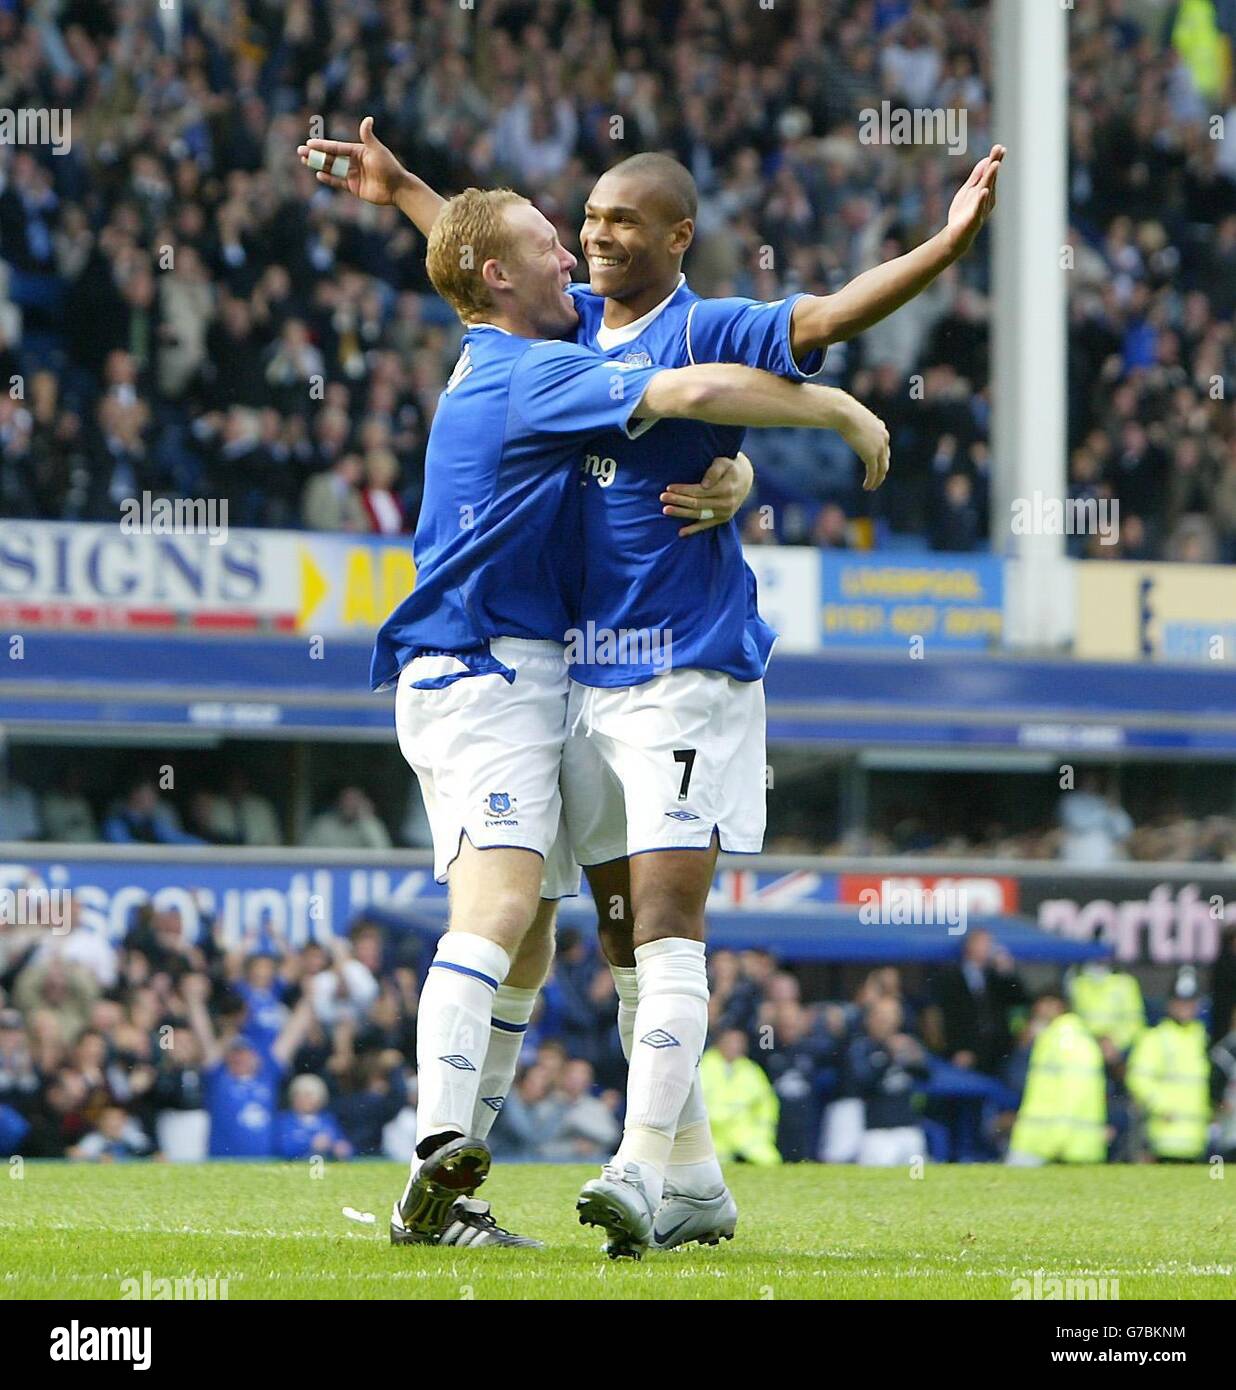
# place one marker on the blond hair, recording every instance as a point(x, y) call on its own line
point(311, 1087)
point(471, 229)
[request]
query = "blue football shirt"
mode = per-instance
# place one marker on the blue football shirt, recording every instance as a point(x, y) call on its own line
point(651, 600)
point(265, 1012)
point(295, 1133)
point(242, 1111)
point(497, 544)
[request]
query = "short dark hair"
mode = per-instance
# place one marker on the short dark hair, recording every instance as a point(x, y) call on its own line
point(673, 181)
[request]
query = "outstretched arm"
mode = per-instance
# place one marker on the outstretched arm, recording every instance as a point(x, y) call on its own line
point(721, 393)
point(822, 319)
point(194, 990)
point(376, 176)
point(293, 1032)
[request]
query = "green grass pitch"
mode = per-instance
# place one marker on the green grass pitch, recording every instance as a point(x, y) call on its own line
point(274, 1230)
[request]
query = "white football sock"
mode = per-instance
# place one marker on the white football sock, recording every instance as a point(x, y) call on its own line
point(627, 985)
point(671, 1025)
point(512, 1010)
point(693, 1167)
point(452, 1031)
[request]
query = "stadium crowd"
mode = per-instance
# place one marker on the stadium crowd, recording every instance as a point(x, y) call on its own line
point(184, 311)
point(161, 1046)
point(1092, 831)
point(190, 314)
point(1092, 828)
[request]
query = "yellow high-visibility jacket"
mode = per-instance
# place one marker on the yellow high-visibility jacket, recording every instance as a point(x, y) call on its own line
point(1063, 1115)
point(742, 1107)
point(1168, 1076)
point(1110, 1006)
point(1202, 45)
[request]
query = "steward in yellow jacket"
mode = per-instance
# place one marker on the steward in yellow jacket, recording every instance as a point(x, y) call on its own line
point(1063, 1115)
point(1204, 48)
point(1109, 1002)
point(742, 1105)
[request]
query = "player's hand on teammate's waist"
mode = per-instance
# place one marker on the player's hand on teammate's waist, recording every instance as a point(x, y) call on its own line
point(867, 435)
point(715, 499)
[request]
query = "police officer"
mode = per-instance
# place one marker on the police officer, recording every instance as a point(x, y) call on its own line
point(1169, 1075)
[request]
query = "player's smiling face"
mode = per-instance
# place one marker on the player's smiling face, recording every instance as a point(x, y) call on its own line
point(539, 281)
point(633, 246)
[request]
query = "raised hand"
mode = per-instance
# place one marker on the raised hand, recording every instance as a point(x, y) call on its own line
point(374, 174)
point(975, 200)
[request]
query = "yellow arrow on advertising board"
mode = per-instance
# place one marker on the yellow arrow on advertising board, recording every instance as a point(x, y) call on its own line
point(313, 587)
point(373, 581)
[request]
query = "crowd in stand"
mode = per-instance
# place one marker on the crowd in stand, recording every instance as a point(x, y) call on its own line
point(1092, 828)
point(1172, 835)
point(190, 314)
point(161, 1046)
point(233, 814)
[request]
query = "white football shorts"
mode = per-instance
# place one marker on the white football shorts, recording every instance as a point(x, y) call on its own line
point(663, 764)
point(487, 753)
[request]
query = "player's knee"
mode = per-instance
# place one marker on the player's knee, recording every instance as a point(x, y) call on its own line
point(617, 942)
point(668, 918)
point(502, 917)
point(531, 963)
point(541, 934)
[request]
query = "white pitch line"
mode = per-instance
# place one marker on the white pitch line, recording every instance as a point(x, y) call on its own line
point(1195, 1271)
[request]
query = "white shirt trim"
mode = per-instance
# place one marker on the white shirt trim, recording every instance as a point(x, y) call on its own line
point(610, 338)
point(690, 316)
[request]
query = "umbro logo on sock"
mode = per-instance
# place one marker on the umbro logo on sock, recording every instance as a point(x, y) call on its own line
point(494, 1102)
point(458, 1062)
point(660, 1038)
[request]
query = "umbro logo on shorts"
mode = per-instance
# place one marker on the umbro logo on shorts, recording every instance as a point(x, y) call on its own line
point(458, 1062)
point(494, 1102)
point(682, 815)
point(660, 1038)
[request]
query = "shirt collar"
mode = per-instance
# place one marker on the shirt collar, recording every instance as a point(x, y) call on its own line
point(608, 338)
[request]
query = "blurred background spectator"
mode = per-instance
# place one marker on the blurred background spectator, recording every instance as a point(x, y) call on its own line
point(241, 332)
point(258, 1047)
